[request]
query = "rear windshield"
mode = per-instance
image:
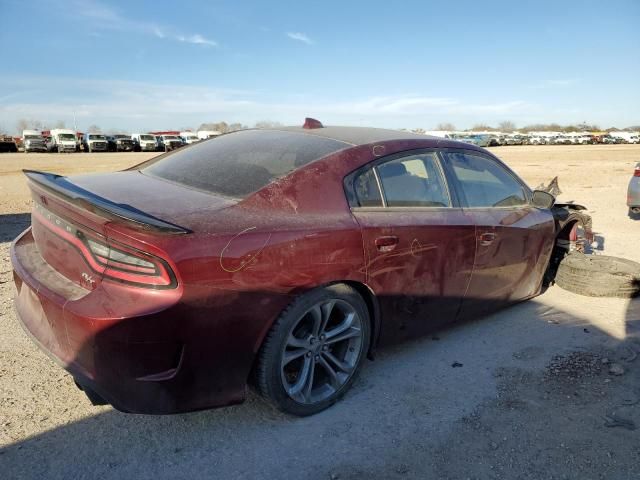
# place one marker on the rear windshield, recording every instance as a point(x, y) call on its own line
point(240, 163)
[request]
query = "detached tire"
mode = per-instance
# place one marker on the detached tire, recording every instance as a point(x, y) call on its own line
point(314, 350)
point(599, 276)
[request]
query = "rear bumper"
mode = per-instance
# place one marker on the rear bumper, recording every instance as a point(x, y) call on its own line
point(141, 356)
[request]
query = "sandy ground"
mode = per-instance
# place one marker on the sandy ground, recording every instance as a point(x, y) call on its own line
point(534, 397)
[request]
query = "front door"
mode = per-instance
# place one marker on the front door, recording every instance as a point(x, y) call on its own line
point(419, 245)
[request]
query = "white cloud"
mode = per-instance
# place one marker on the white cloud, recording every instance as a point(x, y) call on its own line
point(300, 37)
point(132, 105)
point(158, 33)
point(197, 39)
point(106, 18)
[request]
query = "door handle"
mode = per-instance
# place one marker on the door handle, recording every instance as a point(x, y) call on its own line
point(487, 239)
point(387, 243)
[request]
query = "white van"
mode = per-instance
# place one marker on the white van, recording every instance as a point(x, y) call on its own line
point(144, 142)
point(204, 134)
point(62, 140)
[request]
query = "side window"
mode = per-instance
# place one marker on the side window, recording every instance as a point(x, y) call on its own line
point(367, 190)
point(484, 182)
point(414, 181)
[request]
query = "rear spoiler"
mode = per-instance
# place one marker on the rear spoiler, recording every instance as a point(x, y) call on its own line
point(61, 187)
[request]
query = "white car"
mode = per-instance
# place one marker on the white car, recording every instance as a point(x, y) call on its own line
point(189, 137)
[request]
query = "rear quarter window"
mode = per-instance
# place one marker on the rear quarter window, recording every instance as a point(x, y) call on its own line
point(240, 163)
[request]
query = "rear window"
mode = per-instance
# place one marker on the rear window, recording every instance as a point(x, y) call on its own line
point(240, 163)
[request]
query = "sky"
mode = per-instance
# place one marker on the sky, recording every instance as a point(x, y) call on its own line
point(142, 66)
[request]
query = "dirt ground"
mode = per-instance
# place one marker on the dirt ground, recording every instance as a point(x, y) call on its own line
point(549, 388)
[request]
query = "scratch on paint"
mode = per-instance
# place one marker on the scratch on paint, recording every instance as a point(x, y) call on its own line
point(417, 248)
point(378, 150)
point(245, 262)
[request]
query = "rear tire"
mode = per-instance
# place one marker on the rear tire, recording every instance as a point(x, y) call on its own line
point(599, 276)
point(314, 350)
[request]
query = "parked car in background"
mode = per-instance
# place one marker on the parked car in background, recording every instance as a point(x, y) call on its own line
point(62, 140)
point(189, 137)
point(94, 142)
point(536, 140)
point(479, 140)
point(144, 142)
point(609, 139)
point(167, 143)
point(586, 140)
point(8, 144)
point(494, 141)
point(285, 255)
point(204, 134)
point(633, 192)
point(625, 137)
point(33, 141)
point(120, 143)
point(482, 140)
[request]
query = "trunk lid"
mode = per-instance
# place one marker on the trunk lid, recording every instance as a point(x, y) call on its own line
point(162, 199)
point(74, 219)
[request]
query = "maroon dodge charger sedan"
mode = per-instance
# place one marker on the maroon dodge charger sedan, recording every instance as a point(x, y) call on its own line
point(280, 258)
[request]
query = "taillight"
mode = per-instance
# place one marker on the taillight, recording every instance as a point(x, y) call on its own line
point(125, 264)
point(112, 260)
point(636, 172)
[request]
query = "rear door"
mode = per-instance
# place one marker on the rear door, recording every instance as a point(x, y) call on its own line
point(513, 238)
point(419, 244)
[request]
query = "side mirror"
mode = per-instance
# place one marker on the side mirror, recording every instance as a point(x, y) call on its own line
point(542, 199)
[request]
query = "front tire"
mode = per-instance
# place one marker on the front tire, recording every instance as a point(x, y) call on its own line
point(314, 350)
point(599, 276)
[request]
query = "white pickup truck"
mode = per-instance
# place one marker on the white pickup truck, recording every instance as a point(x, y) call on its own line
point(33, 141)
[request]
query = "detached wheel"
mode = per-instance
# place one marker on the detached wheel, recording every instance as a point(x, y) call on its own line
point(599, 276)
point(314, 350)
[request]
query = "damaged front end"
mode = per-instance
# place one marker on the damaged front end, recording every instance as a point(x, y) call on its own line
point(574, 230)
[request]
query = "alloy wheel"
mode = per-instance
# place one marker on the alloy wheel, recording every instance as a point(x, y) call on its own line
point(321, 352)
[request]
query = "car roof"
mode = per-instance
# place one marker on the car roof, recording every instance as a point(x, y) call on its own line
point(358, 135)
